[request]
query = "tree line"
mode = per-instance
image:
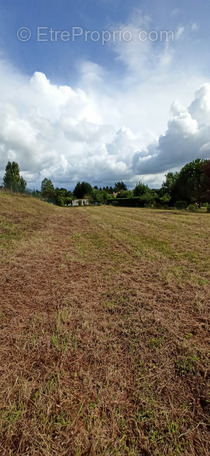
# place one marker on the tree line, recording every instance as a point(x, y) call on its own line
point(180, 189)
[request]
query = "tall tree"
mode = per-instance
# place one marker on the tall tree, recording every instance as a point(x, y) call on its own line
point(47, 188)
point(206, 170)
point(191, 181)
point(82, 190)
point(169, 183)
point(12, 179)
point(120, 186)
point(140, 189)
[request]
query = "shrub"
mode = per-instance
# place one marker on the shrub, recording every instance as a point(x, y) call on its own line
point(180, 204)
point(193, 208)
point(126, 202)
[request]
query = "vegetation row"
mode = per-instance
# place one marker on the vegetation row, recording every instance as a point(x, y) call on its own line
point(189, 188)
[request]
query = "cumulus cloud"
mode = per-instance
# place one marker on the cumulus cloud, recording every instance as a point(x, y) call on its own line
point(105, 129)
point(58, 132)
point(186, 138)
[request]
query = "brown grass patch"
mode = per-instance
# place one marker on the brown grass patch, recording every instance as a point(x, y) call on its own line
point(104, 331)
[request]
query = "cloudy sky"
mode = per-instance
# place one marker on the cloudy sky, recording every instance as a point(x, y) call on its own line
point(103, 90)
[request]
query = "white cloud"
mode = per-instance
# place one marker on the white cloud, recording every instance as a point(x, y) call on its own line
point(100, 130)
point(180, 32)
point(71, 134)
point(58, 132)
point(194, 27)
point(186, 138)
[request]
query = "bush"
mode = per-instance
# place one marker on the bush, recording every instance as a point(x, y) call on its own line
point(181, 204)
point(208, 209)
point(193, 208)
point(126, 202)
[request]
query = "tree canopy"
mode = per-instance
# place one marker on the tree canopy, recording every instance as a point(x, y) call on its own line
point(120, 186)
point(190, 185)
point(12, 180)
point(140, 189)
point(47, 188)
point(82, 190)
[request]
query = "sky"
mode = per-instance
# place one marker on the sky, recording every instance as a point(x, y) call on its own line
point(104, 90)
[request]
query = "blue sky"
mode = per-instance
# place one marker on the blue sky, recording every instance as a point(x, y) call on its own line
point(131, 110)
point(59, 59)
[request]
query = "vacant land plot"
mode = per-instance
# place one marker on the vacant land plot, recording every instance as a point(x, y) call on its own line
point(104, 331)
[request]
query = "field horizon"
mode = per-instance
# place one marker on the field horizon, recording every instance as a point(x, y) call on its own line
point(104, 330)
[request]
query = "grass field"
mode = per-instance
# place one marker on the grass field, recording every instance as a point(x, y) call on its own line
point(104, 331)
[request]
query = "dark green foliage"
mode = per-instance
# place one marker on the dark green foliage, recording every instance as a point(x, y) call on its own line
point(62, 197)
point(22, 185)
point(165, 199)
point(193, 208)
point(82, 190)
point(169, 184)
point(12, 179)
point(126, 202)
point(191, 181)
point(140, 189)
point(100, 196)
point(148, 198)
point(118, 186)
point(181, 204)
point(47, 189)
point(107, 189)
point(36, 194)
point(206, 170)
point(192, 184)
point(67, 201)
point(125, 194)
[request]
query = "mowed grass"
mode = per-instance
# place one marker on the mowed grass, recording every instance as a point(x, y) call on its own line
point(104, 331)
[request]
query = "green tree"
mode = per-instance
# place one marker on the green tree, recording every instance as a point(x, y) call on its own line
point(140, 189)
point(100, 196)
point(22, 185)
point(47, 188)
point(147, 198)
point(125, 194)
point(191, 181)
point(108, 189)
point(82, 190)
point(169, 183)
point(165, 199)
point(62, 196)
point(12, 179)
point(118, 186)
point(36, 194)
point(206, 170)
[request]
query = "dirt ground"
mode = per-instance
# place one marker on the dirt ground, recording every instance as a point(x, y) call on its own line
point(104, 331)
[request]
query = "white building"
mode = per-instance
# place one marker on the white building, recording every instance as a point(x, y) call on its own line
point(80, 202)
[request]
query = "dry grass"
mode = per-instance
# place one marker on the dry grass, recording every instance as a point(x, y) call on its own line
point(104, 331)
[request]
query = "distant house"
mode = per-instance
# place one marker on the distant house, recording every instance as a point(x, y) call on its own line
point(80, 202)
